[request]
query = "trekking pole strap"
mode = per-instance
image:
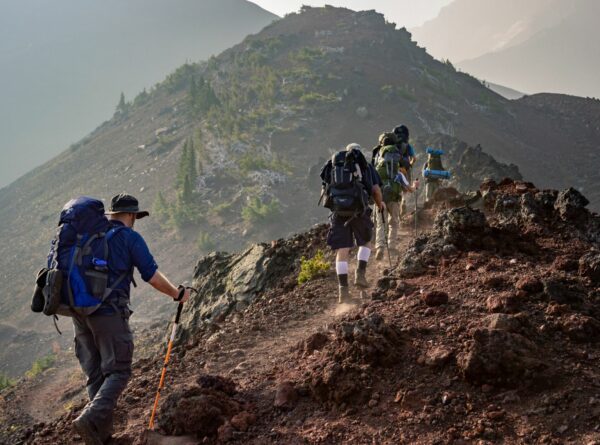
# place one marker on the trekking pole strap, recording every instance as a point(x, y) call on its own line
point(177, 317)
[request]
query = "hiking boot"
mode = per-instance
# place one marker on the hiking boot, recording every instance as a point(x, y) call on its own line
point(344, 295)
point(379, 254)
point(360, 279)
point(87, 431)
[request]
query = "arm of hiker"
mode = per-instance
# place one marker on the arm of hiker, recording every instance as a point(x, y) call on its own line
point(378, 197)
point(162, 284)
point(144, 262)
point(412, 157)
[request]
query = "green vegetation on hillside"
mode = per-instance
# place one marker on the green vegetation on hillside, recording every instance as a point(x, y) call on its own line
point(185, 209)
point(205, 242)
point(5, 382)
point(40, 365)
point(201, 97)
point(258, 212)
point(253, 161)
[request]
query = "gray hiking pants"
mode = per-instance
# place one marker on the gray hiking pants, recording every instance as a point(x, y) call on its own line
point(104, 348)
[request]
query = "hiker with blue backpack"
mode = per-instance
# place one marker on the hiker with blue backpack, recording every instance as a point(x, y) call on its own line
point(88, 277)
point(434, 172)
point(348, 182)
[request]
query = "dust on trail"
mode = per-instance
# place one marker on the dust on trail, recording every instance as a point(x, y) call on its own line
point(265, 350)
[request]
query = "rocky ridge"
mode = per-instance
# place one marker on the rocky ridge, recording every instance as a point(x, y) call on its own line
point(486, 342)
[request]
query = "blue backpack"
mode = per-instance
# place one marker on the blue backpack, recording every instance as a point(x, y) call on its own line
point(75, 282)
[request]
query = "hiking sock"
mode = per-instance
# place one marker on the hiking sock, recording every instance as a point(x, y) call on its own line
point(341, 268)
point(363, 257)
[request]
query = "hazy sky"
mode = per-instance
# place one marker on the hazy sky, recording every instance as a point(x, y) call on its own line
point(407, 13)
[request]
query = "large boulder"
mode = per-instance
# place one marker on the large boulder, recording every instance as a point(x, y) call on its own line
point(502, 358)
point(571, 204)
point(461, 228)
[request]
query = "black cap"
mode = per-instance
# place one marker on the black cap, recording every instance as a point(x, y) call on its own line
point(124, 203)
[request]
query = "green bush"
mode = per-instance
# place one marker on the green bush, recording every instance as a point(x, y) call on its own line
point(312, 268)
point(252, 161)
point(40, 365)
point(205, 242)
point(317, 98)
point(392, 93)
point(258, 212)
point(5, 382)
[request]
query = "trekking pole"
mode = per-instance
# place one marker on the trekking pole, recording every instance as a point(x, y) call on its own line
point(161, 384)
point(385, 237)
point(416, 184)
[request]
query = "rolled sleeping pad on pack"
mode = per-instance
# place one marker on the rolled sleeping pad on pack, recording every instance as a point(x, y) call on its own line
point(434, 151)
point(436, 174)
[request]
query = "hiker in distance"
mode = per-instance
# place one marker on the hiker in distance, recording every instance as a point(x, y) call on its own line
point(348, 182)
point(387, 161)
point(408, 158)
point(88, 278)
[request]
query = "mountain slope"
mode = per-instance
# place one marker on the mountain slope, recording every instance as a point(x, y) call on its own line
point(533, 65)
point(479, 27)
point(506, 92)
point(65, 63)
point(262, 117)
point(534, 46)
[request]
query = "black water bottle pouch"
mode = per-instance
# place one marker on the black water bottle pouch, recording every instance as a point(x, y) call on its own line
point(37, 300)
point(97, 282)
point(51, 291)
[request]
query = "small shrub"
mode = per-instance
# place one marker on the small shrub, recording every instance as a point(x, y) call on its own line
point(252, 161)
point(5, 382)
point(257, 211)
point(205, 242)
point(317, 98)
point(312, 268)
point(222, 209)
point(40, 365)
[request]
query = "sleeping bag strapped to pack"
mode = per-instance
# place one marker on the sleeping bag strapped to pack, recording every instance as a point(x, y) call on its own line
point(434, 169)
point(388, 164)
point(345, 192)
point(75, 281)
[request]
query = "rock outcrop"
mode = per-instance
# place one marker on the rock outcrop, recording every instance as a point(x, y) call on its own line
point(230, 282)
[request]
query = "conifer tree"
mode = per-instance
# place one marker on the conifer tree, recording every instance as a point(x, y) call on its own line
point(122, 105)
point(161, 208)
point(182, 170)
point(187, 192)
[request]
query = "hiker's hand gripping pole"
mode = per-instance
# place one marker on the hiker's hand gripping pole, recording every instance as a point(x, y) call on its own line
point(161, 384)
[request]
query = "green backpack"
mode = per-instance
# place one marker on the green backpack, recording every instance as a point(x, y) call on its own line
point(387, 165)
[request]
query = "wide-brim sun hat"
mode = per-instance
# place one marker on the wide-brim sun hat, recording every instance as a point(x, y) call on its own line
point(124, 203)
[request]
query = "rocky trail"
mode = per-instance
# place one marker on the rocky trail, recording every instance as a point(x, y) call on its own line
point(486, 332)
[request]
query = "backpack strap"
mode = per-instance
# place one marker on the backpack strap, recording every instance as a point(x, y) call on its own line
point(74, 255)
point(109, 235)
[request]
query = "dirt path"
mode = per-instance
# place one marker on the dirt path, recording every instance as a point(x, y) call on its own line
point(52, 392)
point(240, 358)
